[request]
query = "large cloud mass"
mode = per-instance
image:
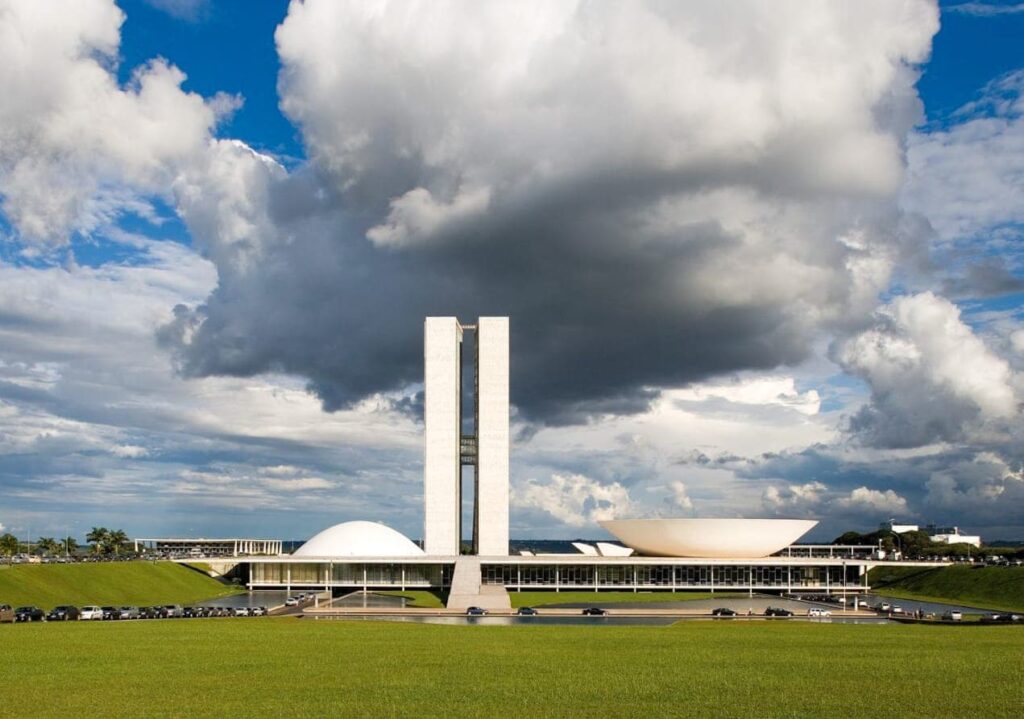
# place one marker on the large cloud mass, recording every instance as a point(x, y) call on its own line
point(75, 147)
point(654, 192)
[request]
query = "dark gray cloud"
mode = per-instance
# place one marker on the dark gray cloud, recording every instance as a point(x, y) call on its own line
point(639, 234)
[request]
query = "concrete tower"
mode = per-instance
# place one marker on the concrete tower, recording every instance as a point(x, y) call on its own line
point(492, 442)
point(447, 449)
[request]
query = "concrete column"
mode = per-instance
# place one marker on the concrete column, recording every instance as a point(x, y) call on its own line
point(492, 470)
point(442, 419)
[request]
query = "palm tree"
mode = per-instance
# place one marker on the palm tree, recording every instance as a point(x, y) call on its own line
point(99, 538)
point(70, 545)
point(117, 539)
point(47, 545)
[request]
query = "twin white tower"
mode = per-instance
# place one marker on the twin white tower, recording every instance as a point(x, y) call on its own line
point(448, 448)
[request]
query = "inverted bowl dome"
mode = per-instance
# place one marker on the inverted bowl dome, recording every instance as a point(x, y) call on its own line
point(712, 538)
point(359, 539)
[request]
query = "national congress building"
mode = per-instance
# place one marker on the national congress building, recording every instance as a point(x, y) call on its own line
point(652, 554)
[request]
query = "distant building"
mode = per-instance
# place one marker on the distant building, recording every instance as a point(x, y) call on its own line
point(210, 547)
point(951, 535)
point(893, 526)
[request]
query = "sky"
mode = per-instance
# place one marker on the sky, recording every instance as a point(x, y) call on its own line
point(759, 259)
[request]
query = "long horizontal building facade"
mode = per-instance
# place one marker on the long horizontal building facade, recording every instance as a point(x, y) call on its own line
point(200, 547)
point(570, 572)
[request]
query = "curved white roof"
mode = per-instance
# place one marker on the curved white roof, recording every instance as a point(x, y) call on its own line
point(359, 539)
point(714, 538)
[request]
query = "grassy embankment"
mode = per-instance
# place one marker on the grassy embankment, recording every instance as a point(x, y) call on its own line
point(117, 583)
point(290, 668)
point(987, 587)
point(539, 599)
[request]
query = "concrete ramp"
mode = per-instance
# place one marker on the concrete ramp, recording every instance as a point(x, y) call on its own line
point(468, 591)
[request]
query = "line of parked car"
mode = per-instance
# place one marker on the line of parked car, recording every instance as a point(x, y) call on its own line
point(67, 612)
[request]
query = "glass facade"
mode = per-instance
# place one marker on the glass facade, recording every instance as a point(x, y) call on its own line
point(558, 576)
point(321, 574)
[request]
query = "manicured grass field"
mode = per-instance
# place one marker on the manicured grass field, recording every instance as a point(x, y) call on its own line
point(988, 587)
point(117, 583)
point(303, 668)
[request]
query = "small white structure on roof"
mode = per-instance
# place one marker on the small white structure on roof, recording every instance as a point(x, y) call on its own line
point(359, 539)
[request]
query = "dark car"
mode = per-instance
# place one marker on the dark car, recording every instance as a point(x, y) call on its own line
point(63, 613)
point(475, 612)
point(777, 612)
point(111, 613)
point(594, 612)
point(526, 612)
point(1001, 618)
point(723, 612)
point(28, 614)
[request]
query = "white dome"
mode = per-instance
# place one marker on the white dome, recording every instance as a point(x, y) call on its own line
point(359, 539)
point(717, 538)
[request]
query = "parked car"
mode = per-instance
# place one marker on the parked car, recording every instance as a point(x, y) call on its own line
point(777, 612)
point(259, 611)
point(29, 614)
point(723, 612)
point(952, 616)
point(818, 612)
point(130, 613)
point(291, 602)
point(1002, 618)
point(111, 613)
point(6, 613)
point(595, 612)
point(526, 612)
point(241, 611)
point(63, 613)
point(174, 610)
point(91, 612)
point(476, 612)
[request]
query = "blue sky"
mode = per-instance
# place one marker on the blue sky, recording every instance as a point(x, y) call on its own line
point(757, 283)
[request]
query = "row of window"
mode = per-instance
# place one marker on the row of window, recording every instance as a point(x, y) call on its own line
point(421, 575)
point(665, 575)
point(408, 575)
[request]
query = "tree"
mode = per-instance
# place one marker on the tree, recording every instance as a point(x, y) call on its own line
point(117, 540)
point(8, 545)
point(47, 545)
point(70, 544)
point(99, 538)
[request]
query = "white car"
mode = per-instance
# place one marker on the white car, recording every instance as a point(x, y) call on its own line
point(91, 612)
point(291, 602)
point(241, 611)
point(818, 612)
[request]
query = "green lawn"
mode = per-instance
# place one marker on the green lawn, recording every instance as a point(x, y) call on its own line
point(118, 583)
point(988, 587)
point(302, 668)
point(416, 597)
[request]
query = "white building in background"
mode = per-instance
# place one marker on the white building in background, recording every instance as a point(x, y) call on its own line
point(938, 534)
point(202, 547)
point(448, 448)
point(893, 526)
point(951, 535)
